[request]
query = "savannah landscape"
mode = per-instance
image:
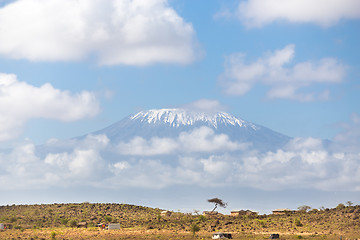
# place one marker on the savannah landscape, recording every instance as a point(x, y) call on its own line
point(63, 221)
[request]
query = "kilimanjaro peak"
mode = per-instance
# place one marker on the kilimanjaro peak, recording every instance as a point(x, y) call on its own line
point(177, 117)
point(170, 123)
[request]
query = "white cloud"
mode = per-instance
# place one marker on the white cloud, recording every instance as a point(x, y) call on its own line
point(304, 163)
point(204, 139)
point(154, 146)
point(285, 81)
point(201, 139)
point(78, 165)
point(20, 102)
point(257, 13)
point(133, 32)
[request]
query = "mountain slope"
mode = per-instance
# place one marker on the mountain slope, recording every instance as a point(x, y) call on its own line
point(171, 122)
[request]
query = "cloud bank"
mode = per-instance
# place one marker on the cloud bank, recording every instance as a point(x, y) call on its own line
point(20, 102)
point(131, 32)
point(257, 13)
point(202, 139)
point(213, 161)
point(285, 80)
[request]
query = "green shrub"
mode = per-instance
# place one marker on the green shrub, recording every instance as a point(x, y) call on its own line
point(202, 218)
point(194, 228)
point(340, 206)
point(53, 235)
point(298, 223)
point(64, 221)
point(73, 223)
point(108, 219)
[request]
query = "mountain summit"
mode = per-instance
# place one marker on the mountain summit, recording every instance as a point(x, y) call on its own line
point(182, 117)
point(171, 122)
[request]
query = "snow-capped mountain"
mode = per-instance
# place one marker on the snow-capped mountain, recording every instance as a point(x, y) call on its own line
point(171, 122)
point(177, 117)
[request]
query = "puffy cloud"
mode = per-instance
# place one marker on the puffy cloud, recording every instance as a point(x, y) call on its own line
point(304, 163)
point(132, 32)
point(257, 13)
point(141, 146)
point(202, 139)
point(82, 163)
point(284, 80)
point(20, 102)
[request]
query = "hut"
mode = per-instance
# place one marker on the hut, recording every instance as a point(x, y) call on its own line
point(282, 211)
point(113, 226)
point(82, 225)
point(236, 213)
point(2, 226)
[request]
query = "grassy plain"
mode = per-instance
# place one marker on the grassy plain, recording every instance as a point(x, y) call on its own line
point(59, 221)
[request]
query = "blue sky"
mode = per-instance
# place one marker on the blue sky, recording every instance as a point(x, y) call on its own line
point(71, 67)
point(217, 35)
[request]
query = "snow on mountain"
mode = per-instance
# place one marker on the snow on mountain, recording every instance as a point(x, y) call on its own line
point(170, 123)
point(177, 117)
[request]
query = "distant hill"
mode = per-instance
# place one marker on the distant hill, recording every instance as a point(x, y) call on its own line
point(341, 220)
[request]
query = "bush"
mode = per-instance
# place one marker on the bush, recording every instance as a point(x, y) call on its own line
point(202, 218)
point(108, 219)
point(298, 223)
point(194, 228)
point(53, 235)
point(64, 221)
point(73, 223)
point(340, 206)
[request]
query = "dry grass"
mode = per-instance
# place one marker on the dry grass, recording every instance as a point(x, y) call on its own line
point(96, 234)
point(46, 221)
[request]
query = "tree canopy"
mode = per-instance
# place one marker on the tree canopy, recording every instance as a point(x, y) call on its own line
point(217, 202)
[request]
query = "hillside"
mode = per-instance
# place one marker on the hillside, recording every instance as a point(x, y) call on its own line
point(340, 221)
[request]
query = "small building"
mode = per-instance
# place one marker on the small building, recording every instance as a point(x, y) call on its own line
point(113, 226)
point(221, 235)
point(282, 211)
point(82, 225)
point(236, 213)
point(165, 213)
point(2, 226)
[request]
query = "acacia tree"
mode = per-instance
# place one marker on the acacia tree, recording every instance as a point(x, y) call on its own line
point(304, 208)
point(217, 202)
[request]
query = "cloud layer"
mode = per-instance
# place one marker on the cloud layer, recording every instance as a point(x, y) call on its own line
point(304, 163)
point(202, 139)
point(257, 13)
point(285, 80)
point(115, 31)
point(20, 102)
